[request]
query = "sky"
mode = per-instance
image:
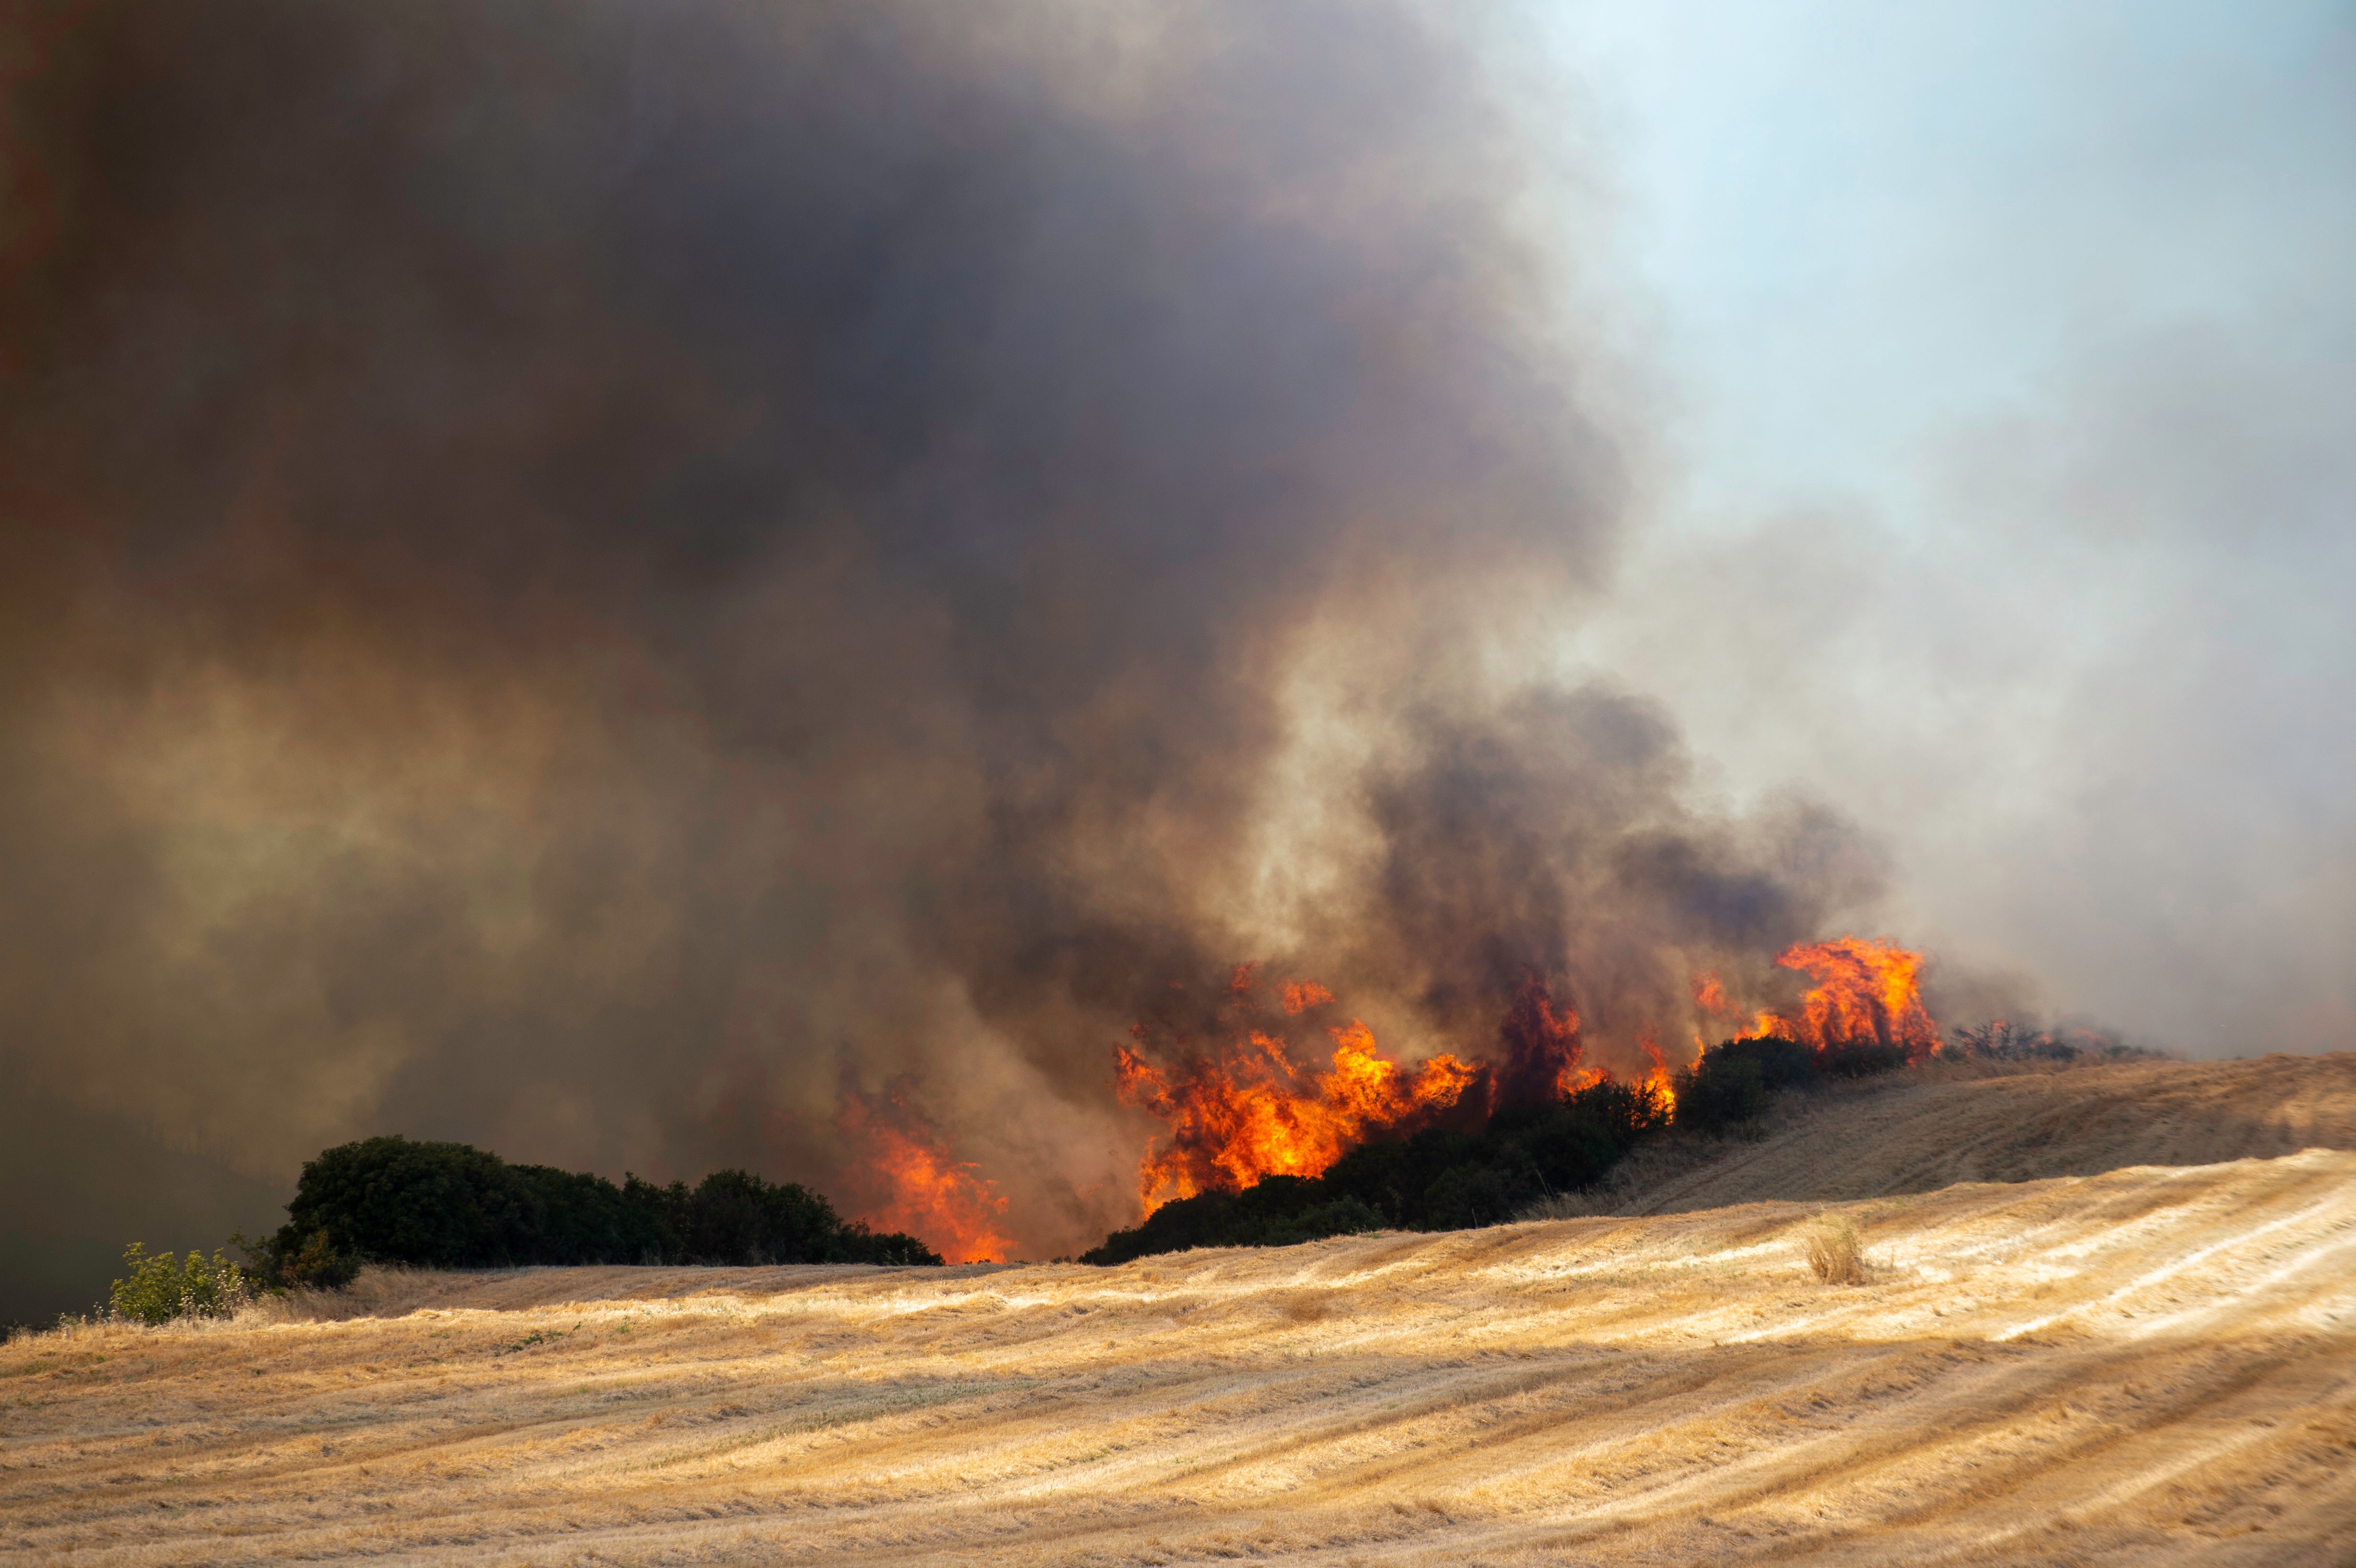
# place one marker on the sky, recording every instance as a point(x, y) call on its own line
point(651, 587)
point(2004, 352)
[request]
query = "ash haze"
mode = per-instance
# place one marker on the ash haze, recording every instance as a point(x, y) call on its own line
point(608, 580)
point(2008, 491)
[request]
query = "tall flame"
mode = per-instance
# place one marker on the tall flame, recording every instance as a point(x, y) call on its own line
point(1657, 1080)
point(912, 1183)
point(1249, 1114)
point(1866, 991)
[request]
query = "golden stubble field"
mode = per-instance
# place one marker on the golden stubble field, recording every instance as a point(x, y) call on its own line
point(2153, 1364)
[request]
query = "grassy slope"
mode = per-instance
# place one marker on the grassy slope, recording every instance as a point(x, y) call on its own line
point(1929, 1130)
point(2151, 1364)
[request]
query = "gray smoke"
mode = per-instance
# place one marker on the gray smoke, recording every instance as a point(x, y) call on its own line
point(583, 577)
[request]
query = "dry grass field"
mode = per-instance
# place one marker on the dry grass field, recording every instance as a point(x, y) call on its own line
point(2149, 1363)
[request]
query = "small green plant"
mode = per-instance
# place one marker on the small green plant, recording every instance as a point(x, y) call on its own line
point(162, 1288)
point(1836, 1252)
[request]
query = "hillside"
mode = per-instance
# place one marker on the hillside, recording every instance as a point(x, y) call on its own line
point(2153, 1363)
point(1906, 1134)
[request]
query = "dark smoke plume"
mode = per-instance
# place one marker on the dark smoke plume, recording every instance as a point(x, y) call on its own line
point(581, 577)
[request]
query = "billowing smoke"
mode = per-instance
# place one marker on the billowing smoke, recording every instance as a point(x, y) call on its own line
point(615, 580)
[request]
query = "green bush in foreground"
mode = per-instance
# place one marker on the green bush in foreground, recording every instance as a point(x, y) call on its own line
point(161, 1288)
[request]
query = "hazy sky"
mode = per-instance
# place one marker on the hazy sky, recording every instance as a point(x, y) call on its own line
point(2005, 358)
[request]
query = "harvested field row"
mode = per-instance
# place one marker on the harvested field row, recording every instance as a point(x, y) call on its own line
point(2153, 1364)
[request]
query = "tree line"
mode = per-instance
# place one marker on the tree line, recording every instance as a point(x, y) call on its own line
point(449, 1205)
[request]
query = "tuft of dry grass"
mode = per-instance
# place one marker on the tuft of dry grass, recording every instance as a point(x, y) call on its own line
point(1834, 1250)
point(1308, 1306)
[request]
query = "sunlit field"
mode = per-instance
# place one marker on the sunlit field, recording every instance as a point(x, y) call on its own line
point(2154, 1363)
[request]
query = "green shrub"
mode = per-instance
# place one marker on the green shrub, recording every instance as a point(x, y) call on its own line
point(1721, 1092)
point(437, 1205)
point(1341, 1217)
point(1728, 1087)
point(307, 1260)
point(161, 1288)
point(1469, 1196)
point(1862, 1059)
point(447, 1205)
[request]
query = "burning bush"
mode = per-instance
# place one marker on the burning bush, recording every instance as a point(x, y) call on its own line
point(1867, 993)
point(1528, 1153)
point(1436, 1179)
point(1261, 1145)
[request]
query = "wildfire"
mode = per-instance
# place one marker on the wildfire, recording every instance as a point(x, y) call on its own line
point(914, 1185)
point(1252, 1110)
point(1656, 1078)
point(1865, 991)
point(1300, 995)
point(1542, 1050)
point(1250, 1114)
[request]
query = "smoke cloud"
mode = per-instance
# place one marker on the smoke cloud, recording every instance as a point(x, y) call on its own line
point(610, 580)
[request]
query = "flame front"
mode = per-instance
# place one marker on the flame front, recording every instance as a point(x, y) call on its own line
point(1251, 1111)
point(1248, 1114)
point(1865, 992)
point(946, 1204)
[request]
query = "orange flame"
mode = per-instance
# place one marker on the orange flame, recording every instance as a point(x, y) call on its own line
point(1866, 992)
point(1657, 1077)
point(1300, 995)
point(1247, 1114)
point(946, 1204)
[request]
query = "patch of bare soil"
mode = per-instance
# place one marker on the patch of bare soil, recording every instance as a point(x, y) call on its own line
point(2152, 1364)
